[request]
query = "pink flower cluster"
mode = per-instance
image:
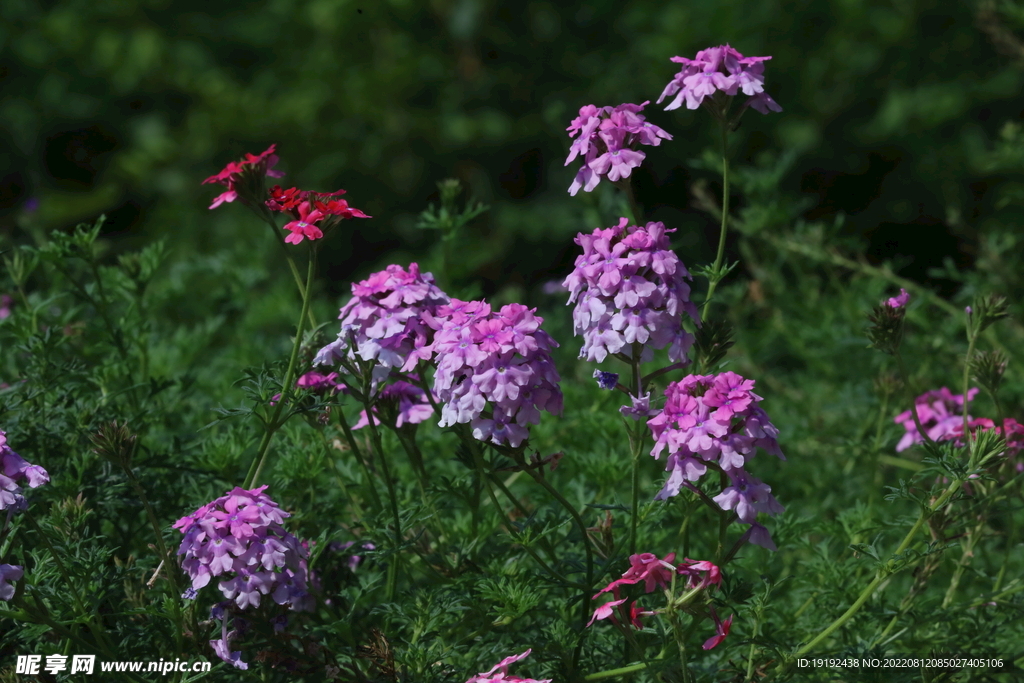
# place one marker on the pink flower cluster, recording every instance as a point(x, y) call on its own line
point(240, 534)
point(940, 413)
point(231, 175)
point(715, 419)
point(629, 286)
point(14, 470)
point(658, 573)
point(311, 212)
point(413, 406)
point(384, 320)
point(503, 359)
point(719, 69)
point(900, 300)
point(1011, 430)
point(608, 138)
point(499, 673)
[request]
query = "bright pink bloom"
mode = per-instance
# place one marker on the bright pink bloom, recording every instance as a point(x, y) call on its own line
point(260, 164)
point(940, 413)
point(304, 225)
point(311, 212)
point(721, 631)
point(499, 673)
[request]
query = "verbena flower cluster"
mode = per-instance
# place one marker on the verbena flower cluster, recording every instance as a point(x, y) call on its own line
point(499, 673)
point(311, 212)
point(494, 370)
point(318, 383)
point(14, 470)
point(719, 69)
point(607, 141)
point(715, 419)
point(384, 321)
point(630, 287)
point(657, 573)
point(240, 536)
point(941, 416)
point(261, 164)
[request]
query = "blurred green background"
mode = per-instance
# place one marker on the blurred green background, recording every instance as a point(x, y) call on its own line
point(891, 113)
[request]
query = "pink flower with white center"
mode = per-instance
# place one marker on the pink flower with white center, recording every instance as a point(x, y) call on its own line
point(608, 138)
point(940, 413)
point(715, 419)
point(305, 225)
point(719, 69)
point(630, 287)
point(501, 360)
point(499, 673)
point(234, 174)
point(239, 536)
point(386, 321)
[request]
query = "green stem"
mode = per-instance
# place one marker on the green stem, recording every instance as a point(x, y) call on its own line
point(291, 264)
point(378, 505)
point(289, 381)
point(715, 277)
point(615, 673)
point(880, 576)
point(393, 499)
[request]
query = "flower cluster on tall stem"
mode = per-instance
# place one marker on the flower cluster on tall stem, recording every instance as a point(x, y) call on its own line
point(607, 139)
point(244, 178)
point(494, 369)
point(240, 537)
point(630, 288)
point(311, 212)
point(714, 420)
point(719, 70)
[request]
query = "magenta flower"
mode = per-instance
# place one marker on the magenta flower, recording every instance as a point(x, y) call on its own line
point(499, 673)
point(899, 301)
point(630, 287)
point(716, 419)
point(386, 321)
point(607, 141)
point(232, 175)
point(719, 69)
point(9, 573)
point(940, 413)
point(6, 301)
point(494, 370)
point(413, 405)
point(311, 212)
point(721, 630)
point(240, 533)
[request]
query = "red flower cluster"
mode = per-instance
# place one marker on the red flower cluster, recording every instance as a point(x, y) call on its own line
point(311, 211)
point(231, 177)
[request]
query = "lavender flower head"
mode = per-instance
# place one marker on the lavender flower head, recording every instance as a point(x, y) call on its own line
point(501, 360)
point(608, 138)
point(14, 470)
point(941, 415)
point(900, 300)
point(385, 319)
point(629, 286)
point(239, 536)
point(719, 69)
point(716, 419)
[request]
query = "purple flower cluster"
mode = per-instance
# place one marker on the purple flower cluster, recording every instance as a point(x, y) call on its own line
point(503, 359)
point(608, 137)
point(629, 286)
point(499, 673)
point(941, 414)
point(9, 573)
point(14, 470)
point(240, 533)
point(716, 419)
point(385, 321)
point(318, 383)
point(413, 406)
point(346, 547)
point(719, 69)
